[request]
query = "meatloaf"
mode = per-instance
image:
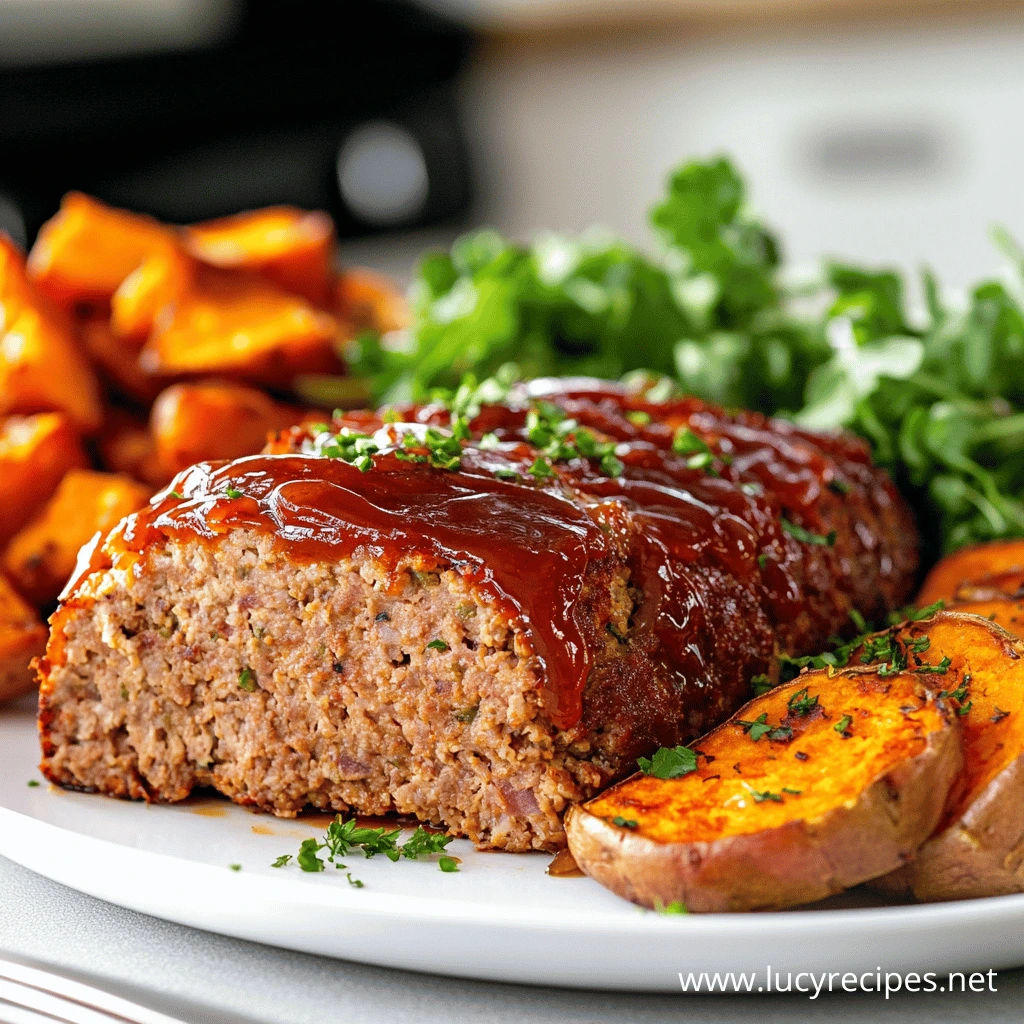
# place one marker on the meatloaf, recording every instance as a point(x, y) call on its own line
point(474, 618)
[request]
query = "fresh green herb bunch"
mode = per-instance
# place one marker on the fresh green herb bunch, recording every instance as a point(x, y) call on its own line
point(940, 401)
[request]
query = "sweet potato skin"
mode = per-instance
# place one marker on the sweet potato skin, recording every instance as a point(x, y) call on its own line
point(971, 565)
point(22, 638)
point(42, 556)
point(870, 799)
point(190, 423)
point(978, 847)
point(35, 453)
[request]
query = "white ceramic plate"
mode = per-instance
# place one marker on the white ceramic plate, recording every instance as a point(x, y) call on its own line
point(501, 917)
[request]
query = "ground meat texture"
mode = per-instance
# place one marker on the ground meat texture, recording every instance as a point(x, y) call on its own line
point(477, 647)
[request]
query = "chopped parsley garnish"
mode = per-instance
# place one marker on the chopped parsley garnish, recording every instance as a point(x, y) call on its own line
point(838, 487)
point(686, 442)
point(761, 796)
point(235, 867)
point(669, 762)
point(843, 726)
point(178, 495)
point(671, 908)
point(247, 680)
point(233, 492)
point(960, 693)
point(466, 714)
point(438, 645)
point(940, 669)
point(762, 561)
point(792, 792)
point(965, 708)
point(344, 837)
point(801, 704)
point(806, 537)
point(355, 882)
point(448, 864)
point(622, 822)
point(540, 469)
point(638, 417)
point(761, 684)
point(760, 727)
point(33, 783)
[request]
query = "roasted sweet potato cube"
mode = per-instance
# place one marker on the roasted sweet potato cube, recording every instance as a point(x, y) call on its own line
point(35, 453)
point(41, 557)
point(213, 420)
point(370, 300)
point(42, 369)
point(147, 291)
point(126, 446)
point(22, 637)
point(118, 362)
point(971, 565)
point(15, 290)
point(239, 325)
point(87, 249)
point(290, 247)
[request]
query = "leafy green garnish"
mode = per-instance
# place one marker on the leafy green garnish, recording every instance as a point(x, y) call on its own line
point(843, 726)
point(247, 680)
point(760, 727)
point(282, 860)
point(802, 704)
point(671, 908)
point(805, 536)
point(761, 796)
point(622, 822)
point(760, 684)
point(438, 645)
point(940, 401)
point(233, 492)
point(669, 762)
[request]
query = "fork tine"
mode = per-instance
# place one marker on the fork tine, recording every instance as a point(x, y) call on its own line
point(76, 1003)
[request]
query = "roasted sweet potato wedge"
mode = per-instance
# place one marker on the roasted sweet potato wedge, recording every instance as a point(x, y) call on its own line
point(213, 420)
point(41, 366)
point(240, 325)
point(126, 446)
point(22, 637)
point(971, 566)
point(154, 285)
point(818, 785)
point(87, 249)
point(41, 557)
point(978, 847)
point(118, 363)
point(292, 248)
point(35, 453)
point(1004, 610)
point(42, 369)
point(367, 299)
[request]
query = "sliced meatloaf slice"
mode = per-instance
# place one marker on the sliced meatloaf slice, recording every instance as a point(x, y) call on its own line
point(475, 622)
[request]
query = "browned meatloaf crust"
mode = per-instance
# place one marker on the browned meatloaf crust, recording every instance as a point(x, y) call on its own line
point(478, 645)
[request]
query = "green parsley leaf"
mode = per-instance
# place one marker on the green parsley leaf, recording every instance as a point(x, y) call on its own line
point(438, 645)
point(802, 704)
point(281, 861)
point(669, 762)
point(671, 908)
point(235, 867)
point(843, 726)
point(761, 684)
point(541, 469)
point(448, 864)
point(178, 495)
point(33, 783)
point(423, 843)
point(792, 792)
point(307, 858)
point(805, 536)
point(622, 822)
point(761, 796)
point(354, 882)
point(247, 680)
point(233, 492)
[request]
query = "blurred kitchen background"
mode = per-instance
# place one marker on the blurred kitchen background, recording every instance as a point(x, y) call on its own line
point(878, 130)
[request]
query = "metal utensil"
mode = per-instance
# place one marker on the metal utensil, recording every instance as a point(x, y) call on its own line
point(29, 995)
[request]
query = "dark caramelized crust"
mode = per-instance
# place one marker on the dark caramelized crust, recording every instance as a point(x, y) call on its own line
point(626, 609)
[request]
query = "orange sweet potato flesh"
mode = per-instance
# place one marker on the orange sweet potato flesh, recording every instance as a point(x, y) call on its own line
point(971, 565)
point(153, 286)
point(117, 362)
point(237, 324)
point(292, 248)
point(191, 423)
point(126, 446)
point(41, 557)
point(846, 790)
point(22, 637)
point(977, 847)
point(87, 249)
point(35, 453)
point(42, 368)
point(369, 300)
